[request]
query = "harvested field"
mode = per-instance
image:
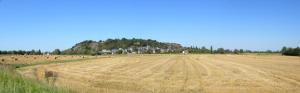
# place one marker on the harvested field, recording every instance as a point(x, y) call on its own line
point(179, 74)
point(30, 59)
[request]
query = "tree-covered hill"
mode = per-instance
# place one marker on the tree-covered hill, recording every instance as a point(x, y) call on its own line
point(128, 45)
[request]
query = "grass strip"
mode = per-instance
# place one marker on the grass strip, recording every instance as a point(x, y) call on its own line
point(11, 82)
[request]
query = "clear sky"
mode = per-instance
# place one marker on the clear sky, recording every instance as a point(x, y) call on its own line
point(247, 24)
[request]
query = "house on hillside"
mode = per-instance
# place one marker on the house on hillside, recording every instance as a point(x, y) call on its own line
point(163, 50)
point(114, 51)
point(185, 52)
point(105, 52)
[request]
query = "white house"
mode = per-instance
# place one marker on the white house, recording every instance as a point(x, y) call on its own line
point(185, 52)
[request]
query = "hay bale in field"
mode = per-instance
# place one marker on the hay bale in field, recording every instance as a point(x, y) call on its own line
point(2, 60)
point(43, 74)
point(34, 57)
point(16, 59)
point(55, 58)
point(51, 76)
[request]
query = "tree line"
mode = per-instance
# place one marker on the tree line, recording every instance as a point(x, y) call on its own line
point(211, 50)
point(21, 52)
point(289, 51)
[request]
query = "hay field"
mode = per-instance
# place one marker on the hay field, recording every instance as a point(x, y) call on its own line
point(179, 74)
point(31, 59)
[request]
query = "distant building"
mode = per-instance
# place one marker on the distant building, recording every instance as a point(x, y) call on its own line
point(105, 51)
point(114, 51)
point(139, 50)
point(163, 50)
point(185, 52)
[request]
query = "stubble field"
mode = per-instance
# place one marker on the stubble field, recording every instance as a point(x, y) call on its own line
point(178, 74)
point(35, 59)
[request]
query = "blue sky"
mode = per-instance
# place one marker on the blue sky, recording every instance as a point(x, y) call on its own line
point(247, 24)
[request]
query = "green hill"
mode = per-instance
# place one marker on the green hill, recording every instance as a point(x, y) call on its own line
point(128, 45)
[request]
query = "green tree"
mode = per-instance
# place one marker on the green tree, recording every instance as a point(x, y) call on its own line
point(39, 52)
point(297, 51)
point(221, 50)
point(204, 50)
point(283, 49)
point(56, 52)
point(32, 52)
point(236, 51)
point(211, 49)
point(292, 52)
point(241, 50)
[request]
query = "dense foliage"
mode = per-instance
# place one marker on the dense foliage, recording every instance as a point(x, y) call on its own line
point(290, 51)
point(204, 50)
point(93, 47)
point(197, 50)
point(21, 52)
point(56, 52)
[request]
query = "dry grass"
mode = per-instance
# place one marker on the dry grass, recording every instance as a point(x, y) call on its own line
point(30, 59)
point(180, 74)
